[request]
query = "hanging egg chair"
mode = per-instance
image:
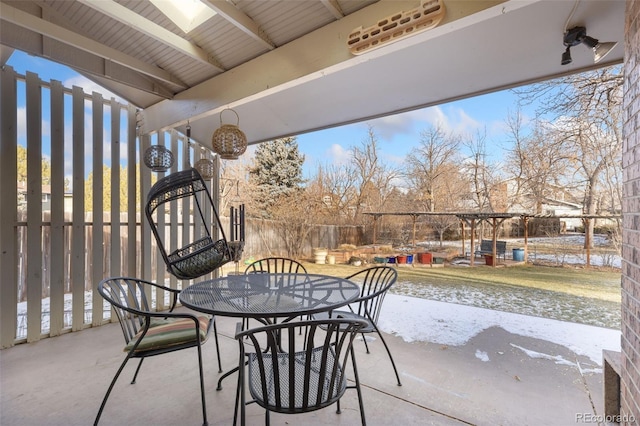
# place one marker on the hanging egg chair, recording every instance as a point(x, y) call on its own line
point(203, 255)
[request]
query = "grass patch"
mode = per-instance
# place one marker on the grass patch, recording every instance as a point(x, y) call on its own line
point(586, 296)
point(602, 285)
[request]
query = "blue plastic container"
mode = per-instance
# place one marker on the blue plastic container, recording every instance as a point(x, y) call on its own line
point(518, 255)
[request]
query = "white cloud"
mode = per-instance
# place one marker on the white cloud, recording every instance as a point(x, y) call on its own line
point(337, 154)
point(22, 122)
point(454, 120)
point(400, 124)
point(463, 123)
point(89, 86)
point(22, 125)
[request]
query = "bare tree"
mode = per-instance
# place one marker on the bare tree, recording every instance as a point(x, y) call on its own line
point(296, 215)
point(363, 182)
point(337, 187)
point(588, 106)
point(481, 175)
point(597, 148)
point(576, 94)
point(437, 180)
point(374, 179)
point(537, 161)
point(450, 191)
point(429, 167)
point(234, 186)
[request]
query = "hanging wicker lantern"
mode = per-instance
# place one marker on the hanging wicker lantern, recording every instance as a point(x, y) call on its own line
point(228, 141)
point(158, 158)
point(205, 168)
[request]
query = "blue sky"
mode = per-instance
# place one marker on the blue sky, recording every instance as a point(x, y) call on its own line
point(399, 134)
point(396, 134)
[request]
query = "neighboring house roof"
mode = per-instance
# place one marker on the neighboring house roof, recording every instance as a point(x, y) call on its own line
point(22, 188)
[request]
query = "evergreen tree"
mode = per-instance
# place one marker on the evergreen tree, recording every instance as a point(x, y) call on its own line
point(276, 172)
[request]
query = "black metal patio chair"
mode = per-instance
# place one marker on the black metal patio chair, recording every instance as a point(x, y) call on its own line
point(276, 265)
point(375, 282)
point(290, 374)
point(149, 333)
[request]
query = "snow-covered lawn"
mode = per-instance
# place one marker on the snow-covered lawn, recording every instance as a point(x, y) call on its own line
point(417, 319)
point(422, 320)
point(517, 299)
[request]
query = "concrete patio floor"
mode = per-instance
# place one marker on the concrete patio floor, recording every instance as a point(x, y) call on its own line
point(61, 381)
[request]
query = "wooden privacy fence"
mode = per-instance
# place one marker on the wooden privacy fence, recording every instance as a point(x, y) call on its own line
point(262, 239)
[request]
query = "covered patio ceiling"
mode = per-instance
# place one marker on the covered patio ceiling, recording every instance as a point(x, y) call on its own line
point(285, 66)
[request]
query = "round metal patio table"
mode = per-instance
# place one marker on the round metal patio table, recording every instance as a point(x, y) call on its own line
point(268, 297)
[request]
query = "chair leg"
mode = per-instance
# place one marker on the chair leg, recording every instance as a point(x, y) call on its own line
point(357, 380)
point(113, 382)
point(235, 408)
point(135, 375)
point(364, 339)
point(204, 404)
point(240, 396)
point(389, 353)
point(215, 335)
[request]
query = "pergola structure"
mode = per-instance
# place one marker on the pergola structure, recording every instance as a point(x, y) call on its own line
point(472, 219)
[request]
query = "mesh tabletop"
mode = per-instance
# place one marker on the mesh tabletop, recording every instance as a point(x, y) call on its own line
point(266, 295)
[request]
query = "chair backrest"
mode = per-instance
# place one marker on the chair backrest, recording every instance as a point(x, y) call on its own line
point(203, 254)
point(299, 372)
point(375, 282)
point(277, 265)
point(130, 299)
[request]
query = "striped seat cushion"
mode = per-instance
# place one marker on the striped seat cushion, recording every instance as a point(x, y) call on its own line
point(167, 332)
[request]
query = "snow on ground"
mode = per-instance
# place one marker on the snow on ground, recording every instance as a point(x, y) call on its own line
point(417, 319)
point(423, 320)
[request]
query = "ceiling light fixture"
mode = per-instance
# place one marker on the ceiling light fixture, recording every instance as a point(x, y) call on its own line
point(578, 35)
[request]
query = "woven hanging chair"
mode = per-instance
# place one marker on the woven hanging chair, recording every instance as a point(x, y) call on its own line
point(203, 255)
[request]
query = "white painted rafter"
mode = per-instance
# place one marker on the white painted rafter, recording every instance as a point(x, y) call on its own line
point(48, 29)
point(333, 7)
point(241, 21)
point(131, 19)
